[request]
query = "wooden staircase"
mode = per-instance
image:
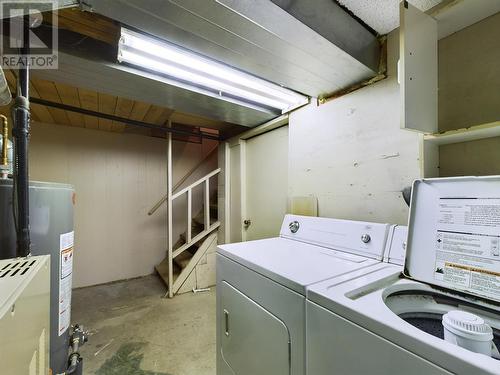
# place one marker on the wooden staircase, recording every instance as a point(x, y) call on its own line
point(194, 267)
point(190, 263)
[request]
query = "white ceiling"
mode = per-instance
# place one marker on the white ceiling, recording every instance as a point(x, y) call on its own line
point(382, 15)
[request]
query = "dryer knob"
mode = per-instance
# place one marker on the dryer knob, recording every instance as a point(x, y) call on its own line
point(366, 238)
point(294, 226)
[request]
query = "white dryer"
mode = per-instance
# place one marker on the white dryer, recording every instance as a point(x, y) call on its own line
point(389, 322)
point(261, 289)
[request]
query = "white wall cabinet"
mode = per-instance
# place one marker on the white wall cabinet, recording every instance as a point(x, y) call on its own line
point(419, 80)
point(418, 70)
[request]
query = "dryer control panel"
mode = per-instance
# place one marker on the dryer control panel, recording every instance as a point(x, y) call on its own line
point(355, 237)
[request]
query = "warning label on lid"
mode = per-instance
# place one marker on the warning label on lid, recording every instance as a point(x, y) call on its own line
point(467, 245)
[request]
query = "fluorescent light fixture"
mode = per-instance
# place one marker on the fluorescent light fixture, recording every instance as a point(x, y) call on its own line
point(204, 75)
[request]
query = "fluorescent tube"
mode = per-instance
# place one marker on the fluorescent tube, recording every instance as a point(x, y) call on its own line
point(201, 73)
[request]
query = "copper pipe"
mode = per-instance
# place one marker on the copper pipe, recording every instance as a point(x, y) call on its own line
point(5, 140)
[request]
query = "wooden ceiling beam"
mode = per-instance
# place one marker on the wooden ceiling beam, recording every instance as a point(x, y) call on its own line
point(88, 24)
point(112, 117)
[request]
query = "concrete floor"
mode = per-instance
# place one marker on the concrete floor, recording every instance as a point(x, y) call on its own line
point(134, 331)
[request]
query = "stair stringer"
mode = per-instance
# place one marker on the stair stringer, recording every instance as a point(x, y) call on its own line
point(200, 271)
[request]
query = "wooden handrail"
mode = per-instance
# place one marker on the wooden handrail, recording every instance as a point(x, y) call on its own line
point(206, 212)
point(196, 183)
point(181, 181)
point(195, 239)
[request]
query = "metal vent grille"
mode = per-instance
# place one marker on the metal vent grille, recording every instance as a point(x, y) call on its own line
point(16, 268)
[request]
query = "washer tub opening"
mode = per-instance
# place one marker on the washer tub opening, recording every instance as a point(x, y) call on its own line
point(425, 310)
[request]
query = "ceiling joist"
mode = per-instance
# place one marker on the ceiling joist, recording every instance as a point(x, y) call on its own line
point(121, 120)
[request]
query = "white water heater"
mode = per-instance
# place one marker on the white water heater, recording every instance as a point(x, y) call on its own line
point(25, 315)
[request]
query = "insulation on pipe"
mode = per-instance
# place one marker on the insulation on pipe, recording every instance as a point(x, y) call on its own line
point(5, 140)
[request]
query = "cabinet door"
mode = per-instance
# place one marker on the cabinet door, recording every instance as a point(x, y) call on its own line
point(418, 70)
point(253, 340)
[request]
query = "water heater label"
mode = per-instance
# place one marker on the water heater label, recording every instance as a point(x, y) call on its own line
point(467, 245)
point(65, 274)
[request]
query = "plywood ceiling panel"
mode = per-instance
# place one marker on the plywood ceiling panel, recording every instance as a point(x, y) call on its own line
point(47, 90)
point(104, 103)
point(89, 100)
point(107, 104)
point(157, 115)
point(139, 111)
point(69, 96)
point(123, 109)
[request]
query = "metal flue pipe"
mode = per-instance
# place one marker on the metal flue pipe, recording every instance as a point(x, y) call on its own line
point(20, 135)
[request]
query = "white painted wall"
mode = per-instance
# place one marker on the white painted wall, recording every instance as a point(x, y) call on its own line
point(117, 178)
point(352, 154)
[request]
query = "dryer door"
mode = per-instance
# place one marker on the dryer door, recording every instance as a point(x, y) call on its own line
point(253, 340)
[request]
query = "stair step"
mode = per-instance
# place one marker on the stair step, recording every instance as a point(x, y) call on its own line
point(162, 270)
point(200, 220)
point(183, 259)
point(195, 245)
point(181, 241)
point(197, 224)
point(196, 228)
point(214, 209)
point(184, 265)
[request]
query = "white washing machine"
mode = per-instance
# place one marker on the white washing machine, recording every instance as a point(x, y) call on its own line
point(261, 289)
point(388, 322)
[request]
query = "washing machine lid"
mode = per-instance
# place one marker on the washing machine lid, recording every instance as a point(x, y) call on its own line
point(454, 235)
point(312, 249)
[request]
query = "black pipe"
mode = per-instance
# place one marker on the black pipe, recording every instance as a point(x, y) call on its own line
point(75, 362)
point(128, 121)
point(24, 79)
point(78, 370)
point(20, 134)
